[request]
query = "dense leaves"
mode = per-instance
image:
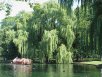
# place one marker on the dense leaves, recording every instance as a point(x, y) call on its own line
point(46, 34)
point(53, 33)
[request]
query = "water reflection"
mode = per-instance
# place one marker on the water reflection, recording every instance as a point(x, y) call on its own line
point(86, 71)
point(12, 70)
point(51, 70)
point(22, 70)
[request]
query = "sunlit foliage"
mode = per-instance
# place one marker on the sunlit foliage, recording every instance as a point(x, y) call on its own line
point(46, 34)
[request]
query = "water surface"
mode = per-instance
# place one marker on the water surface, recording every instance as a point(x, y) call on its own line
point(51, 70)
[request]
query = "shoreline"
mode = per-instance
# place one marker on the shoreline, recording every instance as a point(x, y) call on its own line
point(96, 63)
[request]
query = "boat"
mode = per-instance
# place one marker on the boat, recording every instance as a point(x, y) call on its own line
point(24, 61)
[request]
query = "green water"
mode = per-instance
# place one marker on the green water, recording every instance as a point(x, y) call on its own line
point(51, 70)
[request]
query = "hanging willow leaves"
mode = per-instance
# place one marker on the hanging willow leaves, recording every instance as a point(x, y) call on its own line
point(43, 32)
point(96, 11)
point(69, 36)
point(66, 30)
point(21, 41)
point(8, 22)
point(64, 56)
point(10, 35)
point(49, 43)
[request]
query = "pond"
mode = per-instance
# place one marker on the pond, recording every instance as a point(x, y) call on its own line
point(50, 70)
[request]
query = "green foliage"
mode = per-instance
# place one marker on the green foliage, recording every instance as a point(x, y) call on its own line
point(49, 43)
point(82, 41)
point(68, 34)
point(42, 34)
point(8, 9)
point(20, 41)
point(64, 56)
point(15, 33)
point(1, 6)
point(10, 35)
point(92, 32)
point(8, 22)
point(45, 20)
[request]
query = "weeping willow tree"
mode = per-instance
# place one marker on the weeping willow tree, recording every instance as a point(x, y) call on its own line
point(15, 35)
point(9, 48)
point(43, 34)
point(10, 35)
point(49, 44)
point(95, 27)
point(64, 51)
point(21, 33)
point(44, 21)
point(82, 42)
point(21, 42)
point(64, 56)
point(68, 34)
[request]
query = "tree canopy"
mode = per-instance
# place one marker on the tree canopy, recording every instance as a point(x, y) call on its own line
point(53, 32)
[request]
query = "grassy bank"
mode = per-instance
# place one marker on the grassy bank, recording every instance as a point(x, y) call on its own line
point(91, 63)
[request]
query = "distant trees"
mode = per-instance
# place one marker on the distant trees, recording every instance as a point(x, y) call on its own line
point(82, 42)
point(94, 8)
